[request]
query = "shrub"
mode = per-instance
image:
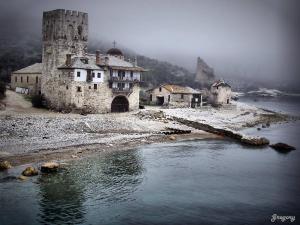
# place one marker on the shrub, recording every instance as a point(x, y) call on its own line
point(37, 101)
point(2, 89)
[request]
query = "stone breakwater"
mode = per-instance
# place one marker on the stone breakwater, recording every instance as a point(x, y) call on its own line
point(245, 139)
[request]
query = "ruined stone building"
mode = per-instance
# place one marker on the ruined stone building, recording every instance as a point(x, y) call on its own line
point(175, 96)
point(71, 77)
point(220, 93)
point(204, 74)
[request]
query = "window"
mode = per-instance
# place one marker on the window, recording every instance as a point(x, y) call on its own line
point(78, 74)
point(151, 98)
point(21, 79)
point(16, 79)
point(95, 86)
point(182, 95)
point(99, 75)
point(27, 79)
point(90, 87)
point(78, 89)
point(131, 74)
point(131, 85)
point(93, 75)
point(159, 89)
point(36, 79)
point(169, 97)
point(67, 87)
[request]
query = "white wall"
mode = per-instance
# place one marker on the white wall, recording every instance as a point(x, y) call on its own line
point(96, 79)
point(82, 77)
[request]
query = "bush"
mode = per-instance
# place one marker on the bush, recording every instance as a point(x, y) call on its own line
point(2, 89)
point(37, 101)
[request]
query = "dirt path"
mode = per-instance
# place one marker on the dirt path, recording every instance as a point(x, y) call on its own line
point(17, 103)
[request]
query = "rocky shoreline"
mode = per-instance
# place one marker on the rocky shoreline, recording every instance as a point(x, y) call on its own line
point(43, 136)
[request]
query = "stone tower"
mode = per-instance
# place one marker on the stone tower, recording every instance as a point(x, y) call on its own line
point(64, 32)
point(204, 74)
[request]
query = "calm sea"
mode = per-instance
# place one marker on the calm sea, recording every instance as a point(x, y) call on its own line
point(190, 182)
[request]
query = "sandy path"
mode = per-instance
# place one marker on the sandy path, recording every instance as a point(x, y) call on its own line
point(17, 103)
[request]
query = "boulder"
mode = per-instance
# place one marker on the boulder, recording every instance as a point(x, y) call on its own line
point(30, 171)
point(49, 167)
point(257, 141)
point(22, 178)
point(4, 165)
point(172, 138)
point(282, 147)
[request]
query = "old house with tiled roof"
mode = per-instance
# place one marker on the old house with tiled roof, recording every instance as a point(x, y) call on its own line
point(28, 79)
point(175, 96)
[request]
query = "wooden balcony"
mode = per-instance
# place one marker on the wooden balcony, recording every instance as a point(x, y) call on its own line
point(125, 80)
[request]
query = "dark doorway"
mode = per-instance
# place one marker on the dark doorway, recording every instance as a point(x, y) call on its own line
point(160, 100)
point(120, 104)
point(227, 101)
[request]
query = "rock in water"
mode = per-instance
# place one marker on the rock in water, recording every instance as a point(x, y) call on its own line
point(257, 141)
point(22, 178)
point(5, 165)
point(49, 167)
point(282, 147)
point(30, 171)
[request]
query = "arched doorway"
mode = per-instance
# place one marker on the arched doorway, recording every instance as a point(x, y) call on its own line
point(120, 104)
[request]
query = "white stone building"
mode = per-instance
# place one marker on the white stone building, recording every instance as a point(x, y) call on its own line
point(175, 96)
point(220, 93)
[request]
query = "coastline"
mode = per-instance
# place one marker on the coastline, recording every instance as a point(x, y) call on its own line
point(35, 136)
point(78, 152)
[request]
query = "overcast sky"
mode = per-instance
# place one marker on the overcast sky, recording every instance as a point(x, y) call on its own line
point(254, 38)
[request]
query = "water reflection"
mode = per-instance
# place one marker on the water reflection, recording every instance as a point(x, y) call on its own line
point(105, 179)
point(61, 199)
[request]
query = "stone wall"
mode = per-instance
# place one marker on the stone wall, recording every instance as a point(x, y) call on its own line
point(95, 100)
point(32, 81)
point(220, 95)
point(64, 32)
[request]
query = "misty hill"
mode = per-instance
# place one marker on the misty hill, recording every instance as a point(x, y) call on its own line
point(16, 54)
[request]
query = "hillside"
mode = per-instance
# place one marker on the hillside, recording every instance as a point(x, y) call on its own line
point(16, 54)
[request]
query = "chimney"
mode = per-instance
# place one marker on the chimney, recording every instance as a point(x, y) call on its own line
point(106, 61)
point(98, 59)
point(135, 61)
point(68, 60)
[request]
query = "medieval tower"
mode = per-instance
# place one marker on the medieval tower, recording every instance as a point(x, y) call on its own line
point(64, 32)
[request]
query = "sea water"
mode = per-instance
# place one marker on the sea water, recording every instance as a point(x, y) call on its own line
point(189, 182)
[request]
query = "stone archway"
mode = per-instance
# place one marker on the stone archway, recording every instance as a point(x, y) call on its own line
point(120, 104)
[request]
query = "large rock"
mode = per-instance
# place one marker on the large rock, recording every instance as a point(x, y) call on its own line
point(30, 171)
point(257, 141)
point(172, 138)
point(49, 167)
point(4, 165)
point(282, 147)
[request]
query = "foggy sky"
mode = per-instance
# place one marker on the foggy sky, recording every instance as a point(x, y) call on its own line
point(252, 38)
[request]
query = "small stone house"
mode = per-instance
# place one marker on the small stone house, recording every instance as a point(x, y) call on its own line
point(220, 93)
point(27, 80)
point(175, 96)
